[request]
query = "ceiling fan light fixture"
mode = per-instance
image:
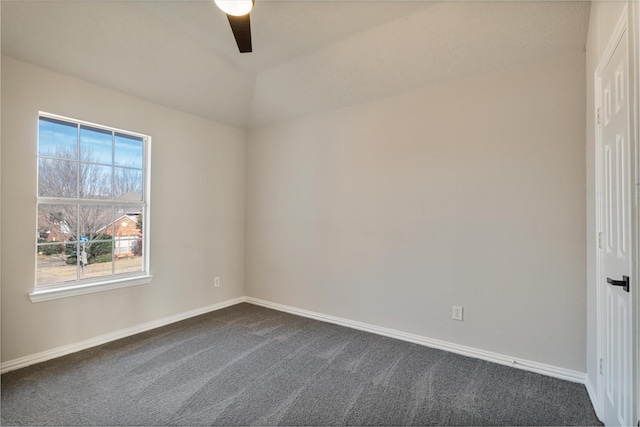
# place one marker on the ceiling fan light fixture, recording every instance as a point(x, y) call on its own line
point(235, 7)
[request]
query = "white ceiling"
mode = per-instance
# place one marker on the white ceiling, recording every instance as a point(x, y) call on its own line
point(309, 56)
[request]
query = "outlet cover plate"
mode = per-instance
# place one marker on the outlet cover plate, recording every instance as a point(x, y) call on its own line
point(456, 312)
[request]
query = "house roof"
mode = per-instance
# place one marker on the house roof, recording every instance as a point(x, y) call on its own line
point(128, 216)
point(309, 56)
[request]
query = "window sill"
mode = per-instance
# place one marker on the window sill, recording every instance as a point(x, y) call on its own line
point(47, 294)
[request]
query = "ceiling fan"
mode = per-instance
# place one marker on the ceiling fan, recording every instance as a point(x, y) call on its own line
point(238, 15)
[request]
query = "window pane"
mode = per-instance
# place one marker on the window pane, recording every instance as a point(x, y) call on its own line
point(56, 223)
point(57, 178)
point(127, 184)
point(96, 145)
point(57, 139)
point(129, 257)
point(95, 181)
point(128, 239)
point(128, 225)
point(96, 241)
point(96, 259)
point(96, 222)
point(129, 151)
point(57, 268)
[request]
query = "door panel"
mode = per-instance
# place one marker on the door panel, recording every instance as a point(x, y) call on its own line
point(616, 254)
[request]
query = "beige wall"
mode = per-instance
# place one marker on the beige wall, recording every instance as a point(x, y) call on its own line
point(469, 193)
point(602, 22)
point(197, 217)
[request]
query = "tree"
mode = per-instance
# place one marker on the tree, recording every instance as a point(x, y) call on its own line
point(64, 176)
point(59, 177)
point(127, 182)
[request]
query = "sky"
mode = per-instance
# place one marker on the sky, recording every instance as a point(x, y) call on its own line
point(121, 150)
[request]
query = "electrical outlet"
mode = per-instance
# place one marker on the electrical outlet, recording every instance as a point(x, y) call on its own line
point(456, 313)
point(216, 281)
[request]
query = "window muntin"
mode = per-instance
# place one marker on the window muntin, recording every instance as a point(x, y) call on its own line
point(89, 178)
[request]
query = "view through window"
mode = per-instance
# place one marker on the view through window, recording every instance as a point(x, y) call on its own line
point(92, 203)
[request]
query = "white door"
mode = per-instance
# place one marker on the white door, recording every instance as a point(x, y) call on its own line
point(616, 183)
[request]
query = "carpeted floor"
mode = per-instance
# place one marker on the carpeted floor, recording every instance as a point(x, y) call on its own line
point(248, 365)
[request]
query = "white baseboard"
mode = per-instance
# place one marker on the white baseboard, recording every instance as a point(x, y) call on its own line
point(23, 362)
point(501, 359)
point(527, 365)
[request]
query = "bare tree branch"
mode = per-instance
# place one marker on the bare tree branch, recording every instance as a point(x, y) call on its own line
point(127, 181)
point(59, 178)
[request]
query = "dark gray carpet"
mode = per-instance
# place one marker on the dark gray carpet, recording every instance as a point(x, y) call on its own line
point(247, 365)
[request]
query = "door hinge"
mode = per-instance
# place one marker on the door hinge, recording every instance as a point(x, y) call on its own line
point(598, 116)
point(600, 366)
point(600, 240)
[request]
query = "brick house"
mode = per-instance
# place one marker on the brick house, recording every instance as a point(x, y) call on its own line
point(127, 237)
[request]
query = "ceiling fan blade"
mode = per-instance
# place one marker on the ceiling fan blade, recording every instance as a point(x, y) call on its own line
point(241, 27)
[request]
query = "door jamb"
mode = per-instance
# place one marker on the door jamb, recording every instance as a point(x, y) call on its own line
point(634, 62)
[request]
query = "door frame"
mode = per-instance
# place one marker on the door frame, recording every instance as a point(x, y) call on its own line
point(626, 26)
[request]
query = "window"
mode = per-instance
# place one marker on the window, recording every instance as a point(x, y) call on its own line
point(93, 208)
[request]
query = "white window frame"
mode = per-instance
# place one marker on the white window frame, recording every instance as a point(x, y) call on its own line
point(114, 281)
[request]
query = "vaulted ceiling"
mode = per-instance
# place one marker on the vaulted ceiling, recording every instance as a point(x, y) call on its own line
point(308, 56)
